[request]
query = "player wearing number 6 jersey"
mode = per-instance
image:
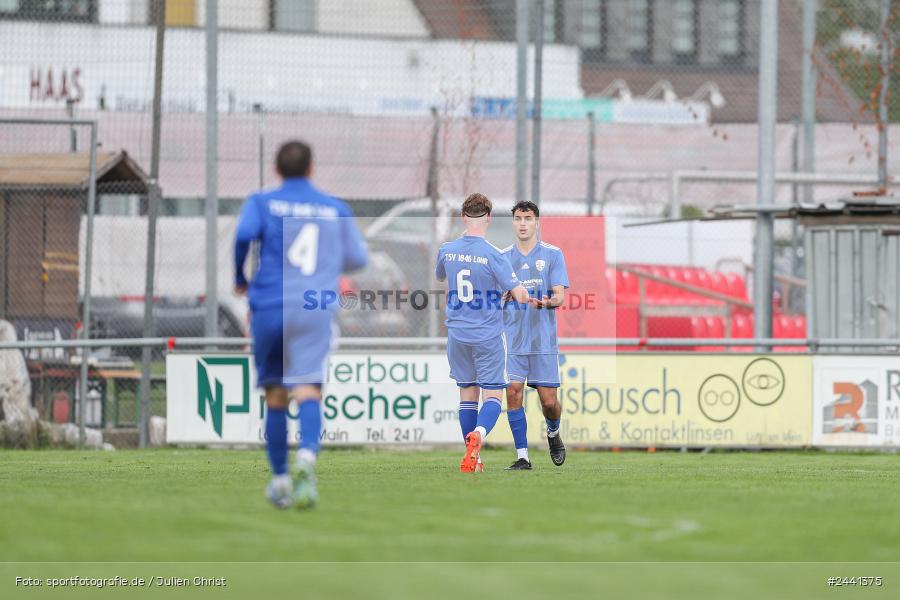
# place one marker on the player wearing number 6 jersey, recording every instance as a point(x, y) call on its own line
point(307, 239)
point(478, 276)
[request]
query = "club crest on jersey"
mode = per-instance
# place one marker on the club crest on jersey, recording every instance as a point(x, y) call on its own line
point(540, 265)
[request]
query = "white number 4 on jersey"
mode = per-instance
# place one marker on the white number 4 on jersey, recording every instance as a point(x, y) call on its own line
point(304, 250)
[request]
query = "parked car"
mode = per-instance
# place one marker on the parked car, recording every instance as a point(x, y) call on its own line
point(382, 274)
point(123, 317)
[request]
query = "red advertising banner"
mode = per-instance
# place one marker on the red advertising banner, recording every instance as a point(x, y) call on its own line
point(589, 309)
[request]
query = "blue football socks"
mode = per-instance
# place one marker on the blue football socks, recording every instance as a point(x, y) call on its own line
point(310, 425)
point(552, 425)
point(468, 416)
point(489, 413)
point(276, 439)
point(519, 427)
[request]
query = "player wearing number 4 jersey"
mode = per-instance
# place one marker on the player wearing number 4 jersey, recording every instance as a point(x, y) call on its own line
point(306, 240)
point(533, 351)
point(478, 275)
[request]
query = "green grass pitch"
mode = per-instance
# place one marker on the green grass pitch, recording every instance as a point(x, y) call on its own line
point(180, 506)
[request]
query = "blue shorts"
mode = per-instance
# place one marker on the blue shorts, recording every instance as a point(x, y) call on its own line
point(290, 349)
point(538, 369)
point(482, 364)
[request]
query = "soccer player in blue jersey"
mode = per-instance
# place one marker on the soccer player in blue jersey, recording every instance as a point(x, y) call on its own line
point(478, 276)
point(307, 239)
point(531, 331)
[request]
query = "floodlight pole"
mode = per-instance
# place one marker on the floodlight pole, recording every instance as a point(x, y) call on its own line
point(153, 199)
point(882, 96)
point(809, 93)
point(521, 97)
point(88, 274)
point(767, 109)
point(212, 166)
point(536, 109)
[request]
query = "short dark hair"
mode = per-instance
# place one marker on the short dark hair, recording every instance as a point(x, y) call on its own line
point(294, 159)
point(526, 205)
point(477, 205)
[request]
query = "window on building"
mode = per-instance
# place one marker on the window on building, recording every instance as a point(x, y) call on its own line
point(639, 40)
point(684, 30)
point(592, 29)
point(731, 30)
point(82, 11)
point(553, 21)
point(194, 207)
point(293, 15)
point(118, 204)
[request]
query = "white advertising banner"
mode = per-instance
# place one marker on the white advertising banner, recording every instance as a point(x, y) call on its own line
point(856, 401)
point(383, 399)
point(633, 399)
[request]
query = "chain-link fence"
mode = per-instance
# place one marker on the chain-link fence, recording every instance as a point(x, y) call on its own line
point(409, 104)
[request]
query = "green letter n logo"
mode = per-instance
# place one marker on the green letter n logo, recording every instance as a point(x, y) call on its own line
point(216, 401)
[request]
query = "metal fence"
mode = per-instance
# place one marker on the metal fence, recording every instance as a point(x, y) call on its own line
point(648, 111)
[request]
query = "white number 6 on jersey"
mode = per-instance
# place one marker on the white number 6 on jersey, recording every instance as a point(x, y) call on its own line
point(304, 250)
point(464, 287)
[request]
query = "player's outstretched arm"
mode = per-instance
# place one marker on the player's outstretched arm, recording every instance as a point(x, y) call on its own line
point(556, 299)
point(440, 272)
point(507, 280)
point(519, 294)
point(249, 229)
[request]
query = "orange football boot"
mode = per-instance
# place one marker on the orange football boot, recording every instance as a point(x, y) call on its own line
point(473, 449)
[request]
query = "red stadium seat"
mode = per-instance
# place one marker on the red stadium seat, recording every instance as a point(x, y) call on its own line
point(672, 273)
point(690, 276)
point(718, 282)
point(799, 326)
point(703, 279)
point(779, 326)
point(737, 287)
point(742, 327)
point(716, 327)
point(627, 290)
point(786, 327)
point(699, 330)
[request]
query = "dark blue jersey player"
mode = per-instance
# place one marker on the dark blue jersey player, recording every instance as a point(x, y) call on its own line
point(478, 276)
point(306, 240)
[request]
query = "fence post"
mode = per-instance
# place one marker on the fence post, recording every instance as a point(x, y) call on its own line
point(153, 198)
point(536, 109)
point(767, 103)
point(212, 167)
point(883, 95)
point(809, 93)
point(521, 96)
point(432, 193)
point(73, 135)
point(261, 143)
point(88, 259)
point(642, 306)
point(674, 195)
